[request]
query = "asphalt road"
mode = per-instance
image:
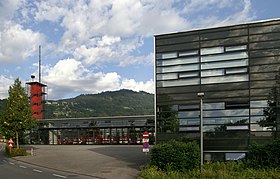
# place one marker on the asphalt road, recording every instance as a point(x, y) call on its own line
point(14, 169)
point(79, 161)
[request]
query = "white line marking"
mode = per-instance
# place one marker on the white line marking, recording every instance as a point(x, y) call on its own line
point(21, 166)
point(5, 161)
point(11, 163)
point(35, 170)
point(61, 176)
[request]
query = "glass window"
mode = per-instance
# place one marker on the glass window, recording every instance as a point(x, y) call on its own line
point(239, 127)
point(185, 129)
point(224, 79)
point(257, 112)
point(235, 48)
point(187, 53)
point(167, 76)
point(213, 50)
point(224, 56)
point(188, 107)
point(177, 68)
point(181, 82)
point(257, 127)
point(234, 63)
point(226, 120)
point(189, 122)
point(167, 55)
point(187, 75)
point(188, 114)
point(178, 61)
point(214, 105)
point(229, 112)
point(235, 156)
point(256, 119)
point(256, 104)
point(218, 72)
point(236, 70)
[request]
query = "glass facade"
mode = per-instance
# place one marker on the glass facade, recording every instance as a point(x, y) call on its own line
point(236, 67)
point(95, 130)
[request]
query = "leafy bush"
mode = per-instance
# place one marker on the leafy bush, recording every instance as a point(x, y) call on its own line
point(266, 155)
point(16, 152)
point(174, 155)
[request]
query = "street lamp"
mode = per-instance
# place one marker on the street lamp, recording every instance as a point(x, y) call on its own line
point(201, 95)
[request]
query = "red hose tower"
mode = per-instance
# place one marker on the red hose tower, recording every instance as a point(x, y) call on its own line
point(37, 92)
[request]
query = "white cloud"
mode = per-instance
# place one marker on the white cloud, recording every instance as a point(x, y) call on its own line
point(109, 49)
point(69, 75)
point(5, 83)
point(131, 84)
point(8, 8)
point(17, 43)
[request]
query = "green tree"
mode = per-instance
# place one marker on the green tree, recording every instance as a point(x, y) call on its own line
point(17, 116)
point(272, 111)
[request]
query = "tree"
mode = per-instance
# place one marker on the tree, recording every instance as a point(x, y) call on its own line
point(17, 116)
point(272, 111)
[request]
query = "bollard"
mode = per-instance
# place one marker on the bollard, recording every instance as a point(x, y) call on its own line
point(32, 151)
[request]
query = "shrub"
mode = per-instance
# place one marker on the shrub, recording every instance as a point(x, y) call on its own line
point(16, 152)
point(267, 155)
point(174, 155)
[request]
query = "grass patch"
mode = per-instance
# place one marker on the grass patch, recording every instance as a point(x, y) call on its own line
point(212, 170)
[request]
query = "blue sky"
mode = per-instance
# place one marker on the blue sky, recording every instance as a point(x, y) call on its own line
point(90, 46)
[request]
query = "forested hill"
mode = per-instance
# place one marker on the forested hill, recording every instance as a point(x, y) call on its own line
point(113, 103)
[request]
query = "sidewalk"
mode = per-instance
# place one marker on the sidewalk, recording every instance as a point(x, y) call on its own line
point(97, 161)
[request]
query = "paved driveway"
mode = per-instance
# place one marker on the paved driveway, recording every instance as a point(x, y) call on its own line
point(97, 161)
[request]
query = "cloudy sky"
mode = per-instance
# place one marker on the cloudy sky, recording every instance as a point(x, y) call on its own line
point(90, 46)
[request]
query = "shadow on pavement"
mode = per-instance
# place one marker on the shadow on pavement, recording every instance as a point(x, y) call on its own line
point(132, 155)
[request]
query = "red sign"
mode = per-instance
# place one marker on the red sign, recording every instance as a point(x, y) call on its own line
point(11, 143)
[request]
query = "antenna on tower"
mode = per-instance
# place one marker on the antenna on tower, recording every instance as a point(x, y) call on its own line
point(39, 63)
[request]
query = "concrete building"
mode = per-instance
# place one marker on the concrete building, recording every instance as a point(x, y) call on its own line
point(236, 67)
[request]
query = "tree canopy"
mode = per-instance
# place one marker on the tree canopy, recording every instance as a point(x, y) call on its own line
point(17, 116)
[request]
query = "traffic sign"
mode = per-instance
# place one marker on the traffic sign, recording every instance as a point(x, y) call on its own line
point(145, 141)
point(11, 143)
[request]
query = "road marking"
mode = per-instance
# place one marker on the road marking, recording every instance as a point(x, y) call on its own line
point(11, 163)
point(21, 166)
point(5, 161)
point(61, 176)
point(35, 170)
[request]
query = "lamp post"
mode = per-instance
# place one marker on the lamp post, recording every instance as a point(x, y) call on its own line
point(201, 95)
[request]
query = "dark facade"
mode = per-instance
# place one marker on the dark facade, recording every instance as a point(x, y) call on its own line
point(236, 68)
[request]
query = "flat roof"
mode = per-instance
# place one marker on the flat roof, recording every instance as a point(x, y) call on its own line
point(214, 27)
point(99, 118)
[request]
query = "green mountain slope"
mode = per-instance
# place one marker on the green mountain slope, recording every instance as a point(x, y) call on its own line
point(115, 103)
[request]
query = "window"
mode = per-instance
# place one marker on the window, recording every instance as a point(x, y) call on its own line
point(218, 72)
point(177, 68)
point(187, 53)
point(224, 79)
point(225, 56)
point(213, 50)
point(235, 63)
point(236, 70)
point(187, 75)
point(167, 55)
point(178, 61)
point(235, 48)
point(181, 82)
point(235, 156)
point(167, 76)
